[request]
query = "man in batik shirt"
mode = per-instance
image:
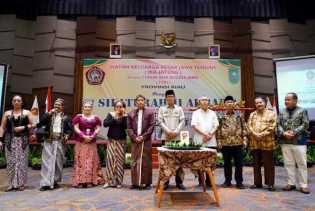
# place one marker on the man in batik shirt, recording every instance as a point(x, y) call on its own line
point(262, 126)
point(292, 129)
point(231, 137)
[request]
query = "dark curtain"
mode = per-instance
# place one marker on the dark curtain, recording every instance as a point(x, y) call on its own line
point(295, 9)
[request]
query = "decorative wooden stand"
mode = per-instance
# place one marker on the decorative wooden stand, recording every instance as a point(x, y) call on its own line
point(160, 188)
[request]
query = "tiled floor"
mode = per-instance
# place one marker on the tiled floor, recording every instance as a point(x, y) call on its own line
point(67, 198)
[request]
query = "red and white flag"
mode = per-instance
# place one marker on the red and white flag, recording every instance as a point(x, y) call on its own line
point(272, 106)
point(48, 101)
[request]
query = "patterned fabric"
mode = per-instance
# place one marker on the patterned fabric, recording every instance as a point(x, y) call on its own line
point(86, 161)
point(232, 130)
point(52, 163)
point(295, 120)
point(17, 160)
point(171, 160)
point(86, 164)
point(115, 159)
point(265, 125)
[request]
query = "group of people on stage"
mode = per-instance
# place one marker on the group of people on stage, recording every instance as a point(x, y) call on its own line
point(229, 133)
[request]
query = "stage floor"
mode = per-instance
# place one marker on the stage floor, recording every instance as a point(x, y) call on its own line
point(67, 198)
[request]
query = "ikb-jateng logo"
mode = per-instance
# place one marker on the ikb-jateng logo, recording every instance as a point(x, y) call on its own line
point(95, 75)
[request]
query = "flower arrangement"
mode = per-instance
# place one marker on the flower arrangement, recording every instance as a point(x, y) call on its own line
point(178, 145)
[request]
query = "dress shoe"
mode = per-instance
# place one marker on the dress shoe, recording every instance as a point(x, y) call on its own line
point(44, 188)
point(132, 187)
point(147, 187)
point(289, 188)
point(181, 187)
point(22, 188)
point(305, 190)
point(56, 186)
point(255, 186)
point(9, 189)
point(271, 188)
point(226, 185)
point(208, 185)
point(240, 186)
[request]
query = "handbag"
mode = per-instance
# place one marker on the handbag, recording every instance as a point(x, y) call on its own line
point(41, 133)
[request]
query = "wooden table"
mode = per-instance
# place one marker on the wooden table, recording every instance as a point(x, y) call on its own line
point(170, 160)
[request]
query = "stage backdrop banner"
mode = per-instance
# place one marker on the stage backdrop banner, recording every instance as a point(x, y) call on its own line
point(106, 80)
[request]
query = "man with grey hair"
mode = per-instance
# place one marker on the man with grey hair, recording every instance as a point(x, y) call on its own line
point(57, 129)
point(205, 123)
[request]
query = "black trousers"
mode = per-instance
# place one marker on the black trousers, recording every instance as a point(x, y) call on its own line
point(201, 176)
point(263, 158)
point(234, 153)
point(178, 180)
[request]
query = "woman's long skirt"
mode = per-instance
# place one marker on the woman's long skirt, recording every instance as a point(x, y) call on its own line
point(17, 162)
point(115, 159)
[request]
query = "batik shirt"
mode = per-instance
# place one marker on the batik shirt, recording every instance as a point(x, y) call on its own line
point(232, 130)
point(265, 124)
point(295, 120)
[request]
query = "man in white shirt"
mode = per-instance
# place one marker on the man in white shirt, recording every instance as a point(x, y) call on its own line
point(205, 123)
point(172, 119)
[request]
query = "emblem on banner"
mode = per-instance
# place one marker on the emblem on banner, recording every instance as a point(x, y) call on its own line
point(168, 40)
point(95, 75)
point(234, 76)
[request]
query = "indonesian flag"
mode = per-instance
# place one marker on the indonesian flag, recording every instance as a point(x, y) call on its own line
point(48, 101)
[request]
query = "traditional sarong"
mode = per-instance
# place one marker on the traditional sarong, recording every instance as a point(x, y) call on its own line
point(17, 161)
point(115, 160)
point(52, 163)
point(87, 164)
